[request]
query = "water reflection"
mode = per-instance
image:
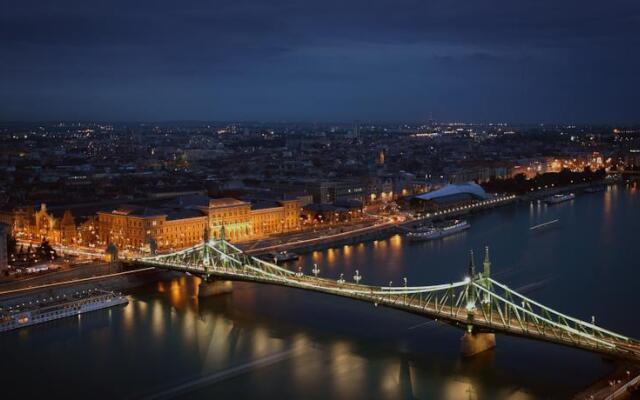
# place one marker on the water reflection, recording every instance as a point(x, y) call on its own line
point(347, 251)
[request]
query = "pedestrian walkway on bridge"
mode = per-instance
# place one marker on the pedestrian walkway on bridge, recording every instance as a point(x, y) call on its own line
point(478, 304)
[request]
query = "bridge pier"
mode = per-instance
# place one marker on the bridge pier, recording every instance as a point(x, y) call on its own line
point(475, 343)
point(214, 288)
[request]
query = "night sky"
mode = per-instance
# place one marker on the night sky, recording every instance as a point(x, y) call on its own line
point(477, 60)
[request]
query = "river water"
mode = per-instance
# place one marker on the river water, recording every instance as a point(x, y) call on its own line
point(264, 342)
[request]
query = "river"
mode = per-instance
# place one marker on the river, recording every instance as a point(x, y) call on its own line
point(264, 342)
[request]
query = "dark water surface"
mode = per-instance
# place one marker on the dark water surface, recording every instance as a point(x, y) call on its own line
point(264, 342)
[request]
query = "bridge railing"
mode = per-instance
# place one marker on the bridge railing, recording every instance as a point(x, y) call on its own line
point(476, 300)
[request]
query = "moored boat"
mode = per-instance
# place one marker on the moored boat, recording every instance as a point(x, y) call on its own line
point(559, 198)
point(438, 232)
point(50, 309)
point(283, 256)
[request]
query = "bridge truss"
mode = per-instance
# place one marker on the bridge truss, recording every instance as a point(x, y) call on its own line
point(478, 303)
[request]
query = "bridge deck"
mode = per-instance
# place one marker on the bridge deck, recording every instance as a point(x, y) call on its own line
point(441, 302)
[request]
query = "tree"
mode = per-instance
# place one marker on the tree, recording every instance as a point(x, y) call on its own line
point(12, 244)
point(46, 252)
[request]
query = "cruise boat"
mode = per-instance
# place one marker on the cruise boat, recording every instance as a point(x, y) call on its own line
point(50, 309)
point(559, 198)
point(438, 232)
point(283, 256)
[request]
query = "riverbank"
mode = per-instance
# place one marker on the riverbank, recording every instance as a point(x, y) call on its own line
point(376, 232)
point(111, 277)
point(579, 188)
point(382, 230)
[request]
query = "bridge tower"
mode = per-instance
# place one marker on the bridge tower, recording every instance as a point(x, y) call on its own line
point(486, 275)
point(486, 272)
point(205, 235)
point(206, 252)
point(208, 286)
point(222, 238)
point(112, 251)
point(471, 292)
point(474, 342)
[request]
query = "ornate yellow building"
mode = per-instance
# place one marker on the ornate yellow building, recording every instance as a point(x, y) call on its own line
point(268, 219)
point(140, 228)
point(175, 226)
point(242, 222)
point(41, 224)
point(234, 215)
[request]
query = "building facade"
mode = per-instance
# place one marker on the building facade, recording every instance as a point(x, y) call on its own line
point(233, 214)
point(173, 226)
point(145, 229)
point(280, 217)
point(42, 224)
point(241, 221)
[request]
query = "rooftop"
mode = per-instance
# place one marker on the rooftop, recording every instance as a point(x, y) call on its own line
point(226, 202)
point(470, 188)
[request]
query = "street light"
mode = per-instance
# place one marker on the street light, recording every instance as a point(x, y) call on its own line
point(357, 277)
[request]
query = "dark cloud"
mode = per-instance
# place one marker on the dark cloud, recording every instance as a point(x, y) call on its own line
point(405, 59)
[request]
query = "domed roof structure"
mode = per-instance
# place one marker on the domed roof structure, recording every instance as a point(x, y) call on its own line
point(468, 188)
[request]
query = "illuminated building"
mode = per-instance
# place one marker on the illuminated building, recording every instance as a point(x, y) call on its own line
point(174, 225)
point(242, 222)
point(280, 217)
point(453, 195)
point(41, 224)
point(137, 228)
point(233, 214)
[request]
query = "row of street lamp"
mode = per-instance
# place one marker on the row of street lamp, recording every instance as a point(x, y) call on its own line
point(357, 277)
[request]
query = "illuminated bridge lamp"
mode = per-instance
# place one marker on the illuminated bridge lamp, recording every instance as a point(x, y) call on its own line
point(357, 277)
point(505, 303)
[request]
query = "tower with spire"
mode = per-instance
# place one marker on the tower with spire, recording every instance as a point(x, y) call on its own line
point(486, 272)
point(472, 266)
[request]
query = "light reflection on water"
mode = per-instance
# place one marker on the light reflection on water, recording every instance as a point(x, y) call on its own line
point(262, 340)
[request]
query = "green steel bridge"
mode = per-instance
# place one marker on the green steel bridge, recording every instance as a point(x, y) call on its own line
point(478, 304)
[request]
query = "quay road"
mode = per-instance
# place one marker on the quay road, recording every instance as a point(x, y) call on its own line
point(312, 238)
point(105, 275)
point(375, 227)
point(384, 226)
point(620, 384)
point(71, 282)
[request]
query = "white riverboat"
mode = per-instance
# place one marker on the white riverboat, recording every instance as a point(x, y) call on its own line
point(438, 232)
point(559, 198)
point(49, 309)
